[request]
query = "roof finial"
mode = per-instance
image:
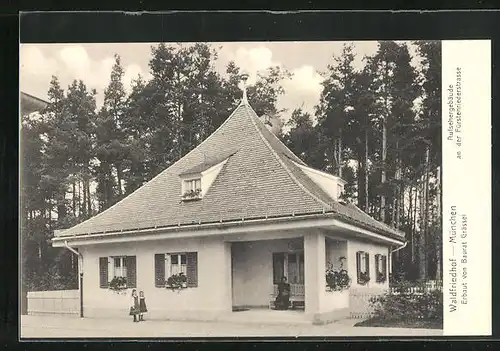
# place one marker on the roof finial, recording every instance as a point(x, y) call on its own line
point(244, 78)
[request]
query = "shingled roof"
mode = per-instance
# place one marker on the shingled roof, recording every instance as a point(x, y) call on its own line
point(261, 179)
point(30, 103)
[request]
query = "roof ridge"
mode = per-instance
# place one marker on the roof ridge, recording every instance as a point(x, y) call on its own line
point(280, 161)
point(297, 158)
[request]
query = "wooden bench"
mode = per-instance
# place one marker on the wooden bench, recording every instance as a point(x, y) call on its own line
point(296, 296)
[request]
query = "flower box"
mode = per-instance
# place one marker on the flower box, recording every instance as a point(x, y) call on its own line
point(192, 195)
point(118, 284)
point(176, 282)
point(363, 278)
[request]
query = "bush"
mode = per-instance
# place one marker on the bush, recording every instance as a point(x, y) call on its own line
point(405, 305)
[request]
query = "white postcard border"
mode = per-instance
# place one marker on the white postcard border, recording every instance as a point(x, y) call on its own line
point(466, 142)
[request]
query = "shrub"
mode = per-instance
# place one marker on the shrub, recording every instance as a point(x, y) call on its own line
point(337, 280)
point(409, 305)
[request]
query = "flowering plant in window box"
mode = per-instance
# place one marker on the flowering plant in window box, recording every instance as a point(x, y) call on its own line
point(363, 278)
point(337, 280)
point(176, 282)
point(192, 194)
point(381, 277)
point(118, 284)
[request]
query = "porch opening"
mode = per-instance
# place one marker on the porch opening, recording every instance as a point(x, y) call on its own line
point(258, 268)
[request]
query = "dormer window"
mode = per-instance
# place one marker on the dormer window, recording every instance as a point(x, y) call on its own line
point(197, 180)
point(191, 189)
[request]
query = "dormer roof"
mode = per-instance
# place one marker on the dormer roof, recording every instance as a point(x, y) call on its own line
point(206, 165)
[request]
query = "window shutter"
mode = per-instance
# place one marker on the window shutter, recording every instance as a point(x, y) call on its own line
point(159, 270)
point(103, 272)
point(367, 258)
point(377, 266)
point(192, 269)
point(358, 265)
point(131, 271)
point(384, 267)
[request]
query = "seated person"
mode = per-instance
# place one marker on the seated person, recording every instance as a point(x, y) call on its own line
point(282, 301)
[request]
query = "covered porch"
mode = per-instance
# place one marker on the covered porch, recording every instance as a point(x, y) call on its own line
point(260, 260)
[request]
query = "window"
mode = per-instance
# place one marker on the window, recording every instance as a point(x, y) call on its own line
point(339, 190)
point(363, 267)
point(117, 266)
point(381, 268)
point(193, 184)
point(169, 264)
point(175, 264)
point(191, 189)
point(289, 265)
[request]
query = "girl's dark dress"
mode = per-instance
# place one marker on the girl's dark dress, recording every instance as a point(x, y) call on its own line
point(134, 310)
point(142, 305)
point(283, 299)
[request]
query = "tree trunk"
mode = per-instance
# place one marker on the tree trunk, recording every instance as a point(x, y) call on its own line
point(84, 204)
point(398, 177)
point(119, 177)
point(74, 198)
point(340, 154)
point(89, 200)
point(426, 212)
point(421, 243)
point(179, 129)
point(383, 173)
point(361, 185)
point(79, 198)
point(367, 202)
point(61, 208)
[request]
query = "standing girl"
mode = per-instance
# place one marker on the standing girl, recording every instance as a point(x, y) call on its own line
point(142, 306)
point(134, 305)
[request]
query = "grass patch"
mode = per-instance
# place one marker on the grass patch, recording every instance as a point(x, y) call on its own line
point(392, 323)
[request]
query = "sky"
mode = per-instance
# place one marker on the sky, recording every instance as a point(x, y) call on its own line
point(92, 63)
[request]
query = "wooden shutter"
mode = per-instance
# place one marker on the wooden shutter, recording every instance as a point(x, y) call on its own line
point(377, 266)
point(103, 272)
point(367, 260)
point(192, 269)
point(160, 270)
point(278, 267)
point(358, 265)
point(384, 267)
point(131, 271)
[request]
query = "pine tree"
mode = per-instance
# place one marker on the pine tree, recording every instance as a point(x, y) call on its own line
point(111, 141)
point(336, 106)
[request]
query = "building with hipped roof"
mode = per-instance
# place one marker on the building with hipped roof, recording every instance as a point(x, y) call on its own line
point(234, 215)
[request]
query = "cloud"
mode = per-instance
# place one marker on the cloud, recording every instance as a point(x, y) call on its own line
point(34, 63)
point(305, 79)
point(69, 62)
point(251, 60)
point(76, 59)
point(131, 73)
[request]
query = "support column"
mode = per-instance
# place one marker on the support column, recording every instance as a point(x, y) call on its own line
point(314, 271)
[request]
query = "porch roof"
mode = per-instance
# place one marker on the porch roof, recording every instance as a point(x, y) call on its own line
point(261, 180)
